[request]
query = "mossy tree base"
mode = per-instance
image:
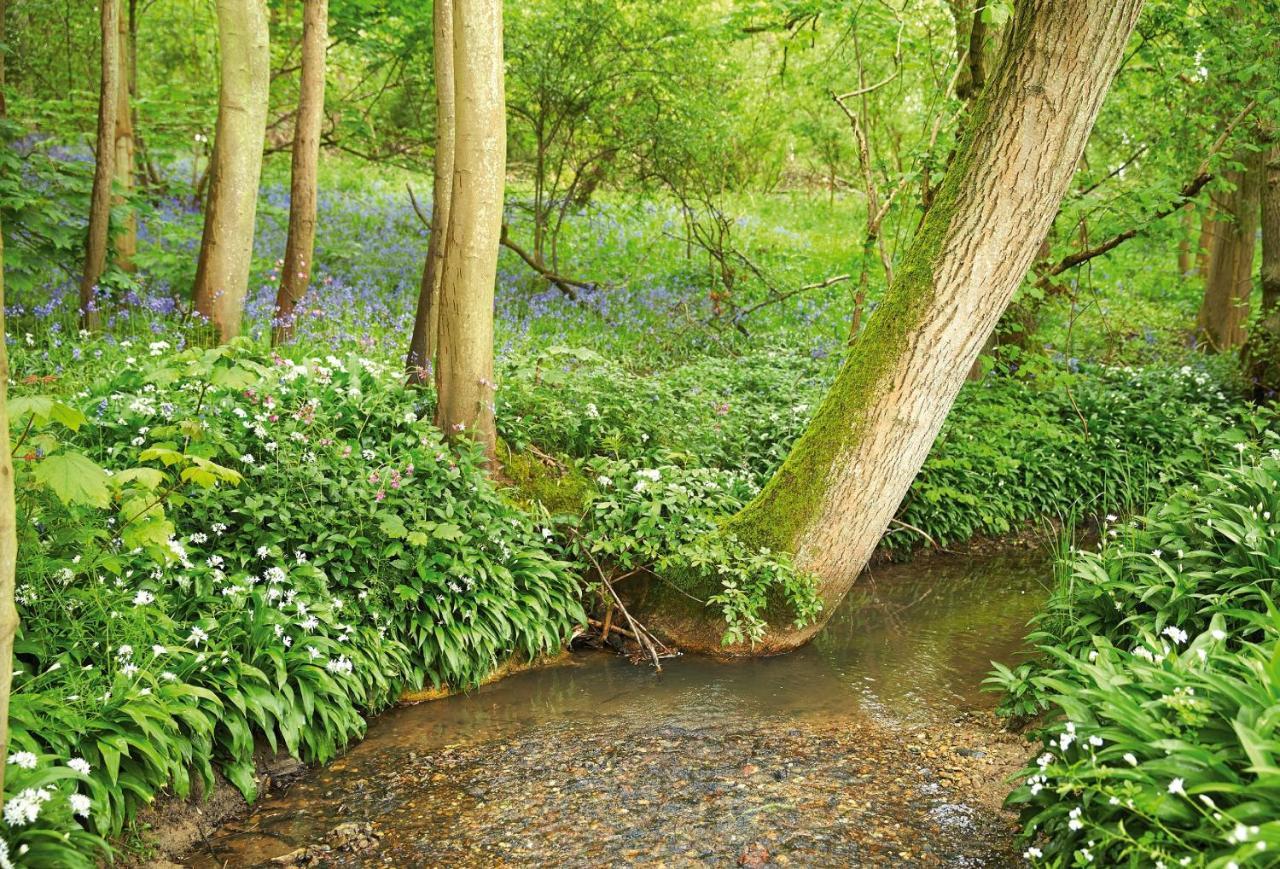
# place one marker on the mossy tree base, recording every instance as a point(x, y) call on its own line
point(832, 499)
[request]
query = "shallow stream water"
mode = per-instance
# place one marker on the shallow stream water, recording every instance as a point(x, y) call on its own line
point(874, 745)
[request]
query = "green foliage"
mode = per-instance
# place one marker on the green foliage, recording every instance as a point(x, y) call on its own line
point(1162, 652)
point(221, 546)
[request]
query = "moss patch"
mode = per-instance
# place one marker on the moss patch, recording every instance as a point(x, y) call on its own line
point(532, 480)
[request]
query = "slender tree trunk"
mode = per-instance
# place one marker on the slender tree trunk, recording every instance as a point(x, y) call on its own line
point(1263, 348)
point(226, 247)
point(4, 40)
point(421, 360)
point(465, 378)
point(126, 240)
point(300, 246)
point(1220, 326)
point(833, 497)
point(95, 246)
point(8, 529)
point(1184, 243)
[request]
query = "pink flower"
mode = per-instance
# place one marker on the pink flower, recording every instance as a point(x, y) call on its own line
point(379, 495)
point(346, 452)
point(373, 477)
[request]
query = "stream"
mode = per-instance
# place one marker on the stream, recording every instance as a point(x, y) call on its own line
point(873, 745)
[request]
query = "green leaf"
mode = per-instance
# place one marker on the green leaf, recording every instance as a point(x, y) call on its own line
point(75, 479)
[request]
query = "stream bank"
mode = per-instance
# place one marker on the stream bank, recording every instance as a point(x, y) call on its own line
point(872, 745)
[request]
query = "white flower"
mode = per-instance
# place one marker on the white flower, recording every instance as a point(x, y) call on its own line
point(1175, 787)
point(124, 651)
point(24, 759)
point(1033, 853)
point(1095, 741)
point(143, 597)
point(592, 411)
point(338, 665)
point(25, 807)
point(129, 669)
point(198, 636)
point(1130, 759)
point(158, 650)
point(1075, 823)
point(80, 804)
point(650, 473)
point(79, 764)
point(1156, 553)
point(1176, 634)
point(247, 458)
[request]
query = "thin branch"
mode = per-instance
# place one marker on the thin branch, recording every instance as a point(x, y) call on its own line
point(1188, 192)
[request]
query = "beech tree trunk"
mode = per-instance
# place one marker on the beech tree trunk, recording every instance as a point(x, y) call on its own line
point(295, 274)
point(832, 499)
point(1263, 348)
point(226, 247)
point(1224, 312)
point(8, 532)
point(465, 368)
point(95, 246)
point(421, 360)
point(126, 240)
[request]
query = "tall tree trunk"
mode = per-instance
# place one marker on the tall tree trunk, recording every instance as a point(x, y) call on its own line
point(1220, 325)
point(300, 246)
point(1263, 349)
point(465, 378)
point(421, 359)
point(8, 529)
point(126, 240)
point(833, 497)
point(95, 246)
point(226, 247)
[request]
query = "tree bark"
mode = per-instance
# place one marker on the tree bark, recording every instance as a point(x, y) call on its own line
point(1263, 348)
point(126, 240)
point(95, 246)
point(299, 248)
point(421, 359)
point(832, 499)
point(465, 370)
point(1224, 311)
point(226, 247)
point(8, 538)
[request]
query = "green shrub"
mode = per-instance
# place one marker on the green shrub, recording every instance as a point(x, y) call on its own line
point(1162, 654)
point(220, 545)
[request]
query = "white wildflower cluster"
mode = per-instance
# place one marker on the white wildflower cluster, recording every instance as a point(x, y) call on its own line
point(24, 808)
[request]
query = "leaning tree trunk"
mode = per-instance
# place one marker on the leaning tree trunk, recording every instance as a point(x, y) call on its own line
point(426, 323)
point(8, 538)
point(126, 240)
point(1224, 311)
point(1263, 348)
point(465, 352)
point(95, 246)
point(832, 499)
point(226, 247)
point(299, 248)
